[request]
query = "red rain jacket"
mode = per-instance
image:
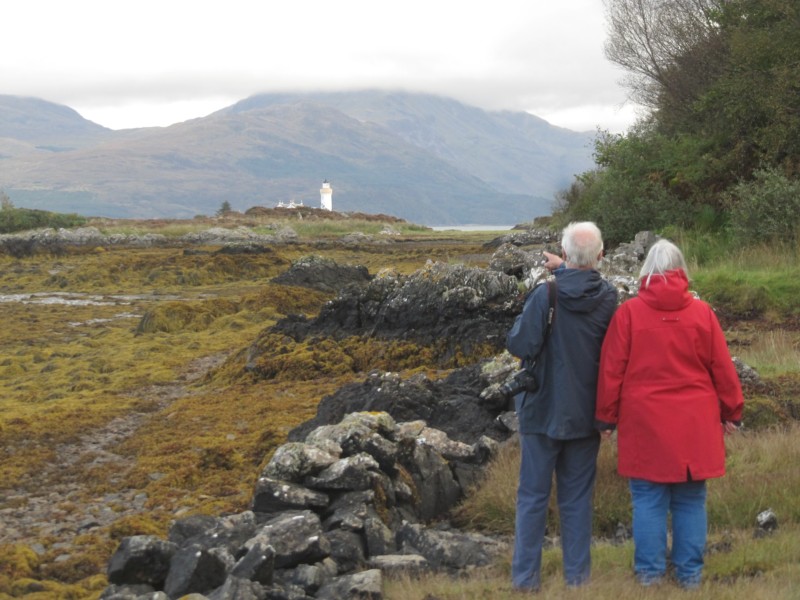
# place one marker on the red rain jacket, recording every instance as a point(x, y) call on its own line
point(667, 382)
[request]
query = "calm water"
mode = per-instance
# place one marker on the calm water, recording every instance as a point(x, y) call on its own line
point(472, 227)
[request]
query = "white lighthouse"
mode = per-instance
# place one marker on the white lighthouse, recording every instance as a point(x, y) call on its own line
point(326, 196)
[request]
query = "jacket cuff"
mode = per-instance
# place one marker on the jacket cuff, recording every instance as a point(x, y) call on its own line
point(603, 426)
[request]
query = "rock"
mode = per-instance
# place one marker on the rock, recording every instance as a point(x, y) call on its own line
point(626, 259)
point(295, 536)
point(457, 307)
point(367, 585)
point(379, 538)
point(289, 554)
point(308, 577)
point(295, 461)
point(131, 592)
point(413, 564)
point(189, 527)
point(236, 588)
point(350, 510)
point(272, 495)
point(747, 374)
point(450, 549)
point(767, 522)
point(513, 260)
point(258, 564)
point(323, 274)
point(524, 237)
point(350, 473)
point(194, 569)
point(436, 487)
point(141, 559)
point(347, 550)
point(449, 449)
point(453, 405)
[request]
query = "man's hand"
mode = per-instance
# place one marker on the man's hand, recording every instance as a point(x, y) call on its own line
point(730, 427)
point(606, 434)
point(552, 261)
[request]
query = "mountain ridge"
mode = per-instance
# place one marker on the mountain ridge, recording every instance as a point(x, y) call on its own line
point(427, 159)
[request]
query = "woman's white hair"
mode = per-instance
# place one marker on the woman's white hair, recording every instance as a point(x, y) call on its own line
point(663, 256)
point(582, 243)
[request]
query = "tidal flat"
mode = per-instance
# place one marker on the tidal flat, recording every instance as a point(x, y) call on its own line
point(108, 429)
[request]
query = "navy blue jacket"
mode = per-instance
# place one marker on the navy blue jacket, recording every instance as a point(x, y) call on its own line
point(563, 406)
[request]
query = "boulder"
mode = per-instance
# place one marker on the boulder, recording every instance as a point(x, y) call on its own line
point(141, 559)
point(323, 274)
point(295, 536)
point(450, 549)
point(194, 569)
point(367, 585)
point(272, 495)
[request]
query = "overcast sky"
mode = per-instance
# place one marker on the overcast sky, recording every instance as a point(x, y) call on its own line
point(123, 63)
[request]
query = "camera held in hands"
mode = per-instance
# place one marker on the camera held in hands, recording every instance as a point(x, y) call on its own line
point(522, 381)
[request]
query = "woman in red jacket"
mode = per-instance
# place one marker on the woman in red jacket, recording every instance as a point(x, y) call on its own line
point(668, 385)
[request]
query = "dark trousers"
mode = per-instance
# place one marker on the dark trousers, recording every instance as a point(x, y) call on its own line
point(575, 465)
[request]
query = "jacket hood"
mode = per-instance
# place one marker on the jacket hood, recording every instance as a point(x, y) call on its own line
point(666, 292)
point(581, 290)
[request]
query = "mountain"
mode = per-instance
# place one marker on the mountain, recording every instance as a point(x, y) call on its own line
point(424, 158)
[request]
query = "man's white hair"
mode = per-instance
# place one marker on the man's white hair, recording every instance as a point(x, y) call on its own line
point(582, 243)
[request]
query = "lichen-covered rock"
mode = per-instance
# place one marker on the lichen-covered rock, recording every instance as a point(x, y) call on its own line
point(294, 461)
point(450, 549)
point(356, 472)
point(513, 260)
point(458, 306)
point(272, 495)
point(295, 536)
point(524, 237)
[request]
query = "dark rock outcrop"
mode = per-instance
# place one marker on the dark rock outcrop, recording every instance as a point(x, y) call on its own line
point(459, 307)
point(454, 404)
point(322, 274)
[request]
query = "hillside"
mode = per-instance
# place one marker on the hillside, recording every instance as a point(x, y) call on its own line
point(423, 158)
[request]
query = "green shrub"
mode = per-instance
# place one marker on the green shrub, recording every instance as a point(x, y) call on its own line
point(765, 209)
point(23, 219)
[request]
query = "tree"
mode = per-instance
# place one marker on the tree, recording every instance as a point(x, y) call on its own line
point(5, 201)
point(668, 47)
point(224, 209)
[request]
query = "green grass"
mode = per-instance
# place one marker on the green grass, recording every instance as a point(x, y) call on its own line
point(758, 569)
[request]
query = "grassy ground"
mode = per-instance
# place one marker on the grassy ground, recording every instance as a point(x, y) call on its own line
point(68, 370)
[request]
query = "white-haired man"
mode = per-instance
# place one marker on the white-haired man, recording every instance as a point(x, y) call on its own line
point(557, 428)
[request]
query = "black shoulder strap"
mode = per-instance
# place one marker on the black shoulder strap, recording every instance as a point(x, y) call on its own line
point(552, 290)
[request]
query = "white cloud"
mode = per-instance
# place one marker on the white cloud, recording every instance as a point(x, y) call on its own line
point(126, 64)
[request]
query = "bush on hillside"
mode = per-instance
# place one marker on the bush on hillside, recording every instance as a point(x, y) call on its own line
point(766, 209)
point(23, 219)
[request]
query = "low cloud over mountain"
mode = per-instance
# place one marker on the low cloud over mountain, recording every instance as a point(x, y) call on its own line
point(424, 158)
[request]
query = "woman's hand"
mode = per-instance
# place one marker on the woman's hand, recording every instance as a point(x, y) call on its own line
point(730, 427)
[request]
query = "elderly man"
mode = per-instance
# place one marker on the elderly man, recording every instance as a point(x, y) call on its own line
point(556, 421)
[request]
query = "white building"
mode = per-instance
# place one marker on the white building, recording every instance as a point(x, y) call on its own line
point(326, 196)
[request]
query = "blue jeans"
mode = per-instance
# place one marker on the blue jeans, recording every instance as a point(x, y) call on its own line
point(687, 504)
point(574, 463)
